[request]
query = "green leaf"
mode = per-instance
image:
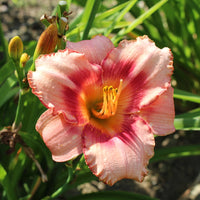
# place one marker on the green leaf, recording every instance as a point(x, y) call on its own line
point(110, 12)
point(89, 15)
point(175, 152)
point(6, 71)
point(64, 187)
point(7, 89)
point(102, 20)
point(33, 108)
point(68, 4)
point(83, 178)
point(188, 121)
point(181, 94)
point(120, 17)
point(16, 170)
point(7, 185)
point(108, 195)
point(7, 95)
point(138, 21)
point(3, 174)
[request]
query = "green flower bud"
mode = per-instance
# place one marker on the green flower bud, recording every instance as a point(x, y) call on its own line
point(23, 59)
point(15, 48)
point(63, 22)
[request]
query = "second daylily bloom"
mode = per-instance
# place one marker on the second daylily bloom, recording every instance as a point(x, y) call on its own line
point(106, 103)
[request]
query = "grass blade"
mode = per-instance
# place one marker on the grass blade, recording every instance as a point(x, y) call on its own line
point(175, 152)
point(89, 15)
point(181, 94)
point(7, 185)
point(120, 17)
point(188, 121)
point(138, 21)
point(111, 11)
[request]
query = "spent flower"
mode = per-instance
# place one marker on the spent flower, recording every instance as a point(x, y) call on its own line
point(47, 41)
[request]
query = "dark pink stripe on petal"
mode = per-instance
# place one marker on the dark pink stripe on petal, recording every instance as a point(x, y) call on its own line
point(145, 69)
point(59, 82)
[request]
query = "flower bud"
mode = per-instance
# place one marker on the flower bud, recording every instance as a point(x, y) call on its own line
point(63, 6)
point(47, 41)
point(15, 48)
point(63, 23)
point(23, 59)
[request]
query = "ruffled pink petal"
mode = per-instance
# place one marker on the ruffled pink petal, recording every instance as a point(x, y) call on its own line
point(125, 155)
point(145, 69)
point(95, 49)
point(62, 139)
point(59, 82)
point(160, 114)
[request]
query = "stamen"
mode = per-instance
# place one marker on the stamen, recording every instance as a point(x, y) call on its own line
point(110, 101)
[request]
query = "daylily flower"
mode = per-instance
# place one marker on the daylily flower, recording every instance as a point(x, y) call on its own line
point(106, 103)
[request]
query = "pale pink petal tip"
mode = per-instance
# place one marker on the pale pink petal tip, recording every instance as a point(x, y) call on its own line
point(62, 139)
point(123, 156)
point(95, 49)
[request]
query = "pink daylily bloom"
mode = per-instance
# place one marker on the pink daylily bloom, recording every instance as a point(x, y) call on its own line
point(106, 103)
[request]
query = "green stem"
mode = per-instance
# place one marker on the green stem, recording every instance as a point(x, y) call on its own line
point(65, 186)
point(22, 92)
point(33, 66)
point(18, 116)
point(19, 74)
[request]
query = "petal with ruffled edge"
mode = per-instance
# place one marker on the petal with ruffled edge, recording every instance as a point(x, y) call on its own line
point(95, 49)
point(62, 139)
point(145, 69)
point(160, 114)
point(125, 155)
point(59, 82)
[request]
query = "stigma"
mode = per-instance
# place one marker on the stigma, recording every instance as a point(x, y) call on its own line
point(110, 101)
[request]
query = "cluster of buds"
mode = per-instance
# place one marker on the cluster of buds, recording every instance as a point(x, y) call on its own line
point(51, 38)
point(54, 35)
point(15, 51)
point(61, 22)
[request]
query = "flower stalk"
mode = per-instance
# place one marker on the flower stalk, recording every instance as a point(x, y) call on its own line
point(15, 51)
point(63, 23)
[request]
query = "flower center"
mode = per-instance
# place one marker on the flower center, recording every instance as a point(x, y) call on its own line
point(110, 100)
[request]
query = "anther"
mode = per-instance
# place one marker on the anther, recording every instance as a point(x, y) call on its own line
point(110, 101)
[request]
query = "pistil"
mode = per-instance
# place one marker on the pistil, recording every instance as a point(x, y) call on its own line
point(110, 101)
